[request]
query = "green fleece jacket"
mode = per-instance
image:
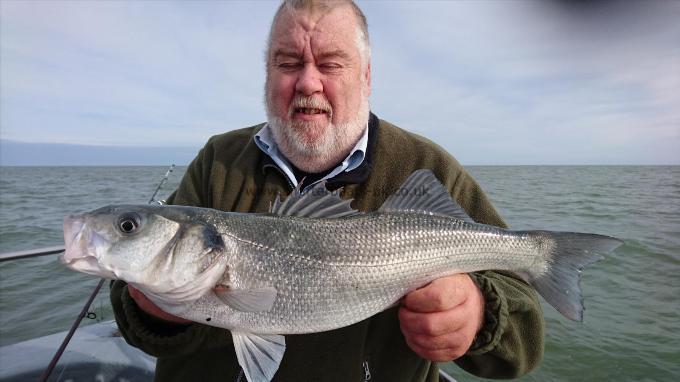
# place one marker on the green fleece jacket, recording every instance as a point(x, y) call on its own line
point(230, 173)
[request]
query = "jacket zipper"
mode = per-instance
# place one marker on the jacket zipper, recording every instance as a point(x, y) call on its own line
point(367, 371)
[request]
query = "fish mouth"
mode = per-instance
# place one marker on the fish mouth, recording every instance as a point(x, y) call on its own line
point(88, 265)
point(74, 227)
point(81, 245)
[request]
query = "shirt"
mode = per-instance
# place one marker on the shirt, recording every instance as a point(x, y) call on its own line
point(265, 141)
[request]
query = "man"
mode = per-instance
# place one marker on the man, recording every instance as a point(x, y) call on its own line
point(320, 128)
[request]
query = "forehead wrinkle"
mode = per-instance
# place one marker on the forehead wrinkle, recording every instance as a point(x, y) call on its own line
point(287, 37)
point(286, 53)
point(308, 31)
point(332, 45)
point(336, 53)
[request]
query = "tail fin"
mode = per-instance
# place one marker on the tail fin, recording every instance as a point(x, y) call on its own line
point(567, 254)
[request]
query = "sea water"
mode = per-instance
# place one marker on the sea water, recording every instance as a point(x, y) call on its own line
point(631, 329)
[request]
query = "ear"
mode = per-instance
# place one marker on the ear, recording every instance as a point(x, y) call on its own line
point(367, 79)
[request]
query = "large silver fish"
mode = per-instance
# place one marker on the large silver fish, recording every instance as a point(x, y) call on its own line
point(314, 264)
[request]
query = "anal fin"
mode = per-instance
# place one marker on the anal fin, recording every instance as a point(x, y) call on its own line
point(259, 354)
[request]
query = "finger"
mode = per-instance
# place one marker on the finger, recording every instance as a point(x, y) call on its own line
point(141, 299)
point(136, 294)
point(433, 324)
point(440, 295)
point(446, 341)
point(437, 355)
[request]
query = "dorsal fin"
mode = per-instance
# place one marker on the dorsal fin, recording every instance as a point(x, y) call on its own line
point(422, 192)
point(316, 202)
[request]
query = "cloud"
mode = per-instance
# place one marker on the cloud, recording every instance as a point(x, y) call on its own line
point(493, 82)
point(520, 76)
point(130, 72)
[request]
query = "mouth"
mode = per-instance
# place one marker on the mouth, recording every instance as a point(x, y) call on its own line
point(309, 114)
point(73, 237)
point(312, 108)
point(309, 111)
point(88, 265)
point(81, 245)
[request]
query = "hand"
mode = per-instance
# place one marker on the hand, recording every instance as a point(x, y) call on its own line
point(440, 320)
point(149, 307)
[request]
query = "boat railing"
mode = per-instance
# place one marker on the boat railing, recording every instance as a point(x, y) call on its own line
point(31, 253)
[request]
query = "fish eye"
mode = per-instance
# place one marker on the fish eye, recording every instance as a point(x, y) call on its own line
point(128, 223)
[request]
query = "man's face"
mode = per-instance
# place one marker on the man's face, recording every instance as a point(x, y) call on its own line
point(317, 88)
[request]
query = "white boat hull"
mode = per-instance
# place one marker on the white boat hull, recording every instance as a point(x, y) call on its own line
point(96, 353)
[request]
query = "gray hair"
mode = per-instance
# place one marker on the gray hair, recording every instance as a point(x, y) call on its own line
point(325, 6)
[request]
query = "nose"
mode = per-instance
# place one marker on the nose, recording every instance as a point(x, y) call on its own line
point(309, 81)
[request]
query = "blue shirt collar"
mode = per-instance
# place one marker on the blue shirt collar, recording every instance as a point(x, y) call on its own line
point(265, 141)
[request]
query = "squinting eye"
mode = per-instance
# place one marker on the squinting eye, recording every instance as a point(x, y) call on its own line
point(331, 66)
point(288, 65)
point(128, 223)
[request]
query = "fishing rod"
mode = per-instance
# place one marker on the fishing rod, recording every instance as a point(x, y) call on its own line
point(83, 312)
point(165, 178)
point(31, 253)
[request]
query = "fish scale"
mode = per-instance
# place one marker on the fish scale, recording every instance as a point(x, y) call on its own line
point(364, 270)
point(302, 270)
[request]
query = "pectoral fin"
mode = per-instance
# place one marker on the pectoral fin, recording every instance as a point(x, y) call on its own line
point(248, 300)
point(259, 354)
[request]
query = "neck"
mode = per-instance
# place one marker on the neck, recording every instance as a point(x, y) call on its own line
point(317, 163)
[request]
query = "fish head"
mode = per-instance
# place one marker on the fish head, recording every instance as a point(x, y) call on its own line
point(157, 248)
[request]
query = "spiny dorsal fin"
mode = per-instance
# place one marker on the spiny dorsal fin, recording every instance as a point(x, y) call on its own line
point(316, 202)
point(422, 192)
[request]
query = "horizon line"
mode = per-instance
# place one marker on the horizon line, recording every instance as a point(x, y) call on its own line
point(463, 164)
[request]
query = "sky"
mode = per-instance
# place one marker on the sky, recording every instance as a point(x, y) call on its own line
point(493, 82)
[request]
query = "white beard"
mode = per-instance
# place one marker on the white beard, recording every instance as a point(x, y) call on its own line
point(312, 153)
